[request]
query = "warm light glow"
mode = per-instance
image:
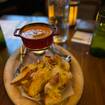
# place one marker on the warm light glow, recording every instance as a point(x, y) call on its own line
point(73, 15)
point(72, 12)
point(51, 10)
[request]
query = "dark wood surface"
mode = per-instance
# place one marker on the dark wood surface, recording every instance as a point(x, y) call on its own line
point(93, 70)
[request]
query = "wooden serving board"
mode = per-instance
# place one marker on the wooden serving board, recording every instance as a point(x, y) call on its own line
point(18, 99)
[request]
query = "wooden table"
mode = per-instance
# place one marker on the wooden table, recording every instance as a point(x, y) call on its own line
point(93, 71)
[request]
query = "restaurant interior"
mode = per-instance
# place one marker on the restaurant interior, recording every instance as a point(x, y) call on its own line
point(27, 63)
point(87, 8)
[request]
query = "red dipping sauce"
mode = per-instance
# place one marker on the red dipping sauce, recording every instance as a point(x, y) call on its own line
point(36, 36)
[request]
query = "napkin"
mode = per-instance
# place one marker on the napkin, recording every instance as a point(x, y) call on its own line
point(82, 37)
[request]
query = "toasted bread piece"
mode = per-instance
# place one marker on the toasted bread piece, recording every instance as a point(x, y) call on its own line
point(65, 65)
point(39, 80)
point(54, 88)
point(25, 72)
point(53, 95)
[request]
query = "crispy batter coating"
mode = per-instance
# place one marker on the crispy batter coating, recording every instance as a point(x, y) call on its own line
point(49, 76)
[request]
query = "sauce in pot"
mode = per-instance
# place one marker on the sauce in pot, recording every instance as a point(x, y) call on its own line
point(36, 32)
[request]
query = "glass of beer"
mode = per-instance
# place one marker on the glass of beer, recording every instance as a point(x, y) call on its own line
point(58, 13)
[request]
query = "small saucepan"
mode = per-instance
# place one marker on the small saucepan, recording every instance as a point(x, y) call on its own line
point(36, 35)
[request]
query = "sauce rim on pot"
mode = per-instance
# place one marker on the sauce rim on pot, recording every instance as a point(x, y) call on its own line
point(36, 32)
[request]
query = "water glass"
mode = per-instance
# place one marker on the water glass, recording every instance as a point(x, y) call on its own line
point(58, 13)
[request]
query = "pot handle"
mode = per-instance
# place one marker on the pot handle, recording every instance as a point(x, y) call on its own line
point(16, 33)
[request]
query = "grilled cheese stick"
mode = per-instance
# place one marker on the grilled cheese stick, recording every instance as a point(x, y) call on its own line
point(40, 77)
point(54, 88)
point(25, 72)
point(39, 80)
point(53, 95)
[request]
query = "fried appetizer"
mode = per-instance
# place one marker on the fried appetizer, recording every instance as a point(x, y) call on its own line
point(54, 88)
point(41, 76)
point(48, 77)
point(25, 73)
point(39, 80)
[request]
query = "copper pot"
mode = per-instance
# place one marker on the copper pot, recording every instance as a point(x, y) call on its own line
point(40, 41)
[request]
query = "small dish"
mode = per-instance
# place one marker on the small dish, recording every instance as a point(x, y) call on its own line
point(35, 35)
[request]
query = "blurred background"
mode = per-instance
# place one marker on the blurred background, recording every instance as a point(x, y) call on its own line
point(87, 8)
